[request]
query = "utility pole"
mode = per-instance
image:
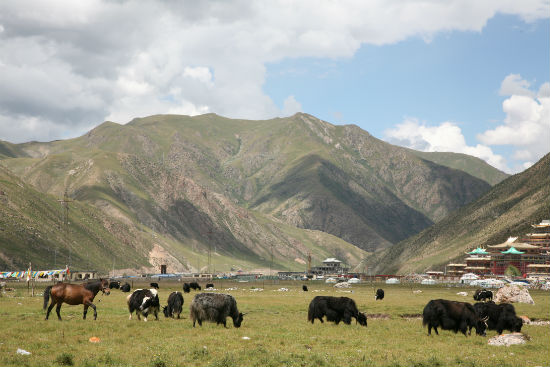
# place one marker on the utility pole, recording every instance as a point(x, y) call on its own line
point(65, 204)
point(208, 234)
point(271, 263)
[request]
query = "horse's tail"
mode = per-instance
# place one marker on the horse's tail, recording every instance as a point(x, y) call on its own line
point(47, 295)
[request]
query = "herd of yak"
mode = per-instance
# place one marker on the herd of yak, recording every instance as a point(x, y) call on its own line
point(216, 307)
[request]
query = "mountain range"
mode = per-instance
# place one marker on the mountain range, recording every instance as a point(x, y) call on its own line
point(244, 191)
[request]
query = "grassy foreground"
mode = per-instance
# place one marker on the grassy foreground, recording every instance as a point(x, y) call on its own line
point(277, 328)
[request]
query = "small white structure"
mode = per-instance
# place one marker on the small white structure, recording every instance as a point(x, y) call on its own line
point(330, 280)
point(468, 278)
point(354, 281)
point(392, 281)
point(487, 283)
point(428, 282)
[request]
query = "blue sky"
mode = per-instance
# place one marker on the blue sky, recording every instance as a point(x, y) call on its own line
point(467, 76)
point(455, 76)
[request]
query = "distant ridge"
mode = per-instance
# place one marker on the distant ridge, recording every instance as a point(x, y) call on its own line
point(471, 165)
point(508, 209)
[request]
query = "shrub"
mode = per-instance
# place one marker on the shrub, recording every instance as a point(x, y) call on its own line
point(65, 359)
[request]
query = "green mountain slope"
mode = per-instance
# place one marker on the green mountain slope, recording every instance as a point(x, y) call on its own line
point(471, 165)
point(506, 210)
point(9, 150)
point(31, 229)
point(244, 187)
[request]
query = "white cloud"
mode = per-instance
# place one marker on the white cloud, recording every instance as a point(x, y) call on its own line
point(544, 90)
point(526, 126)
point(199, 73)
point(75, 63)
point(291, 106)
point(513, 84)
point(446, 137)
point(526, 129)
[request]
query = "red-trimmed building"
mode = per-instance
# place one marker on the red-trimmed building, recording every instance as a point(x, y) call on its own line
point(530, 255)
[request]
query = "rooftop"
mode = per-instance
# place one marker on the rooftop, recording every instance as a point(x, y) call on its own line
point(544, 223)
point(513, 251)
point(519, 245)
point(331, 260)
point(478, 251)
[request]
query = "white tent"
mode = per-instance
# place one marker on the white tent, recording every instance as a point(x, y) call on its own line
point(392, 281)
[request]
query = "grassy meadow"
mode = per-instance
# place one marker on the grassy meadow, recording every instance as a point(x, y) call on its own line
point(276, 330)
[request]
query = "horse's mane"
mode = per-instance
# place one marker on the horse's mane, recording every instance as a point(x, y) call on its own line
point(93, 285)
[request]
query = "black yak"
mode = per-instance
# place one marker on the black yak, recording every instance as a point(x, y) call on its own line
point(175, 303)
point(125, 287)
point(483, 295)
point(336, 309)
point(379, 294)
point(452, 315)
point(215, 307)
point(500, 317)
point(195, 286)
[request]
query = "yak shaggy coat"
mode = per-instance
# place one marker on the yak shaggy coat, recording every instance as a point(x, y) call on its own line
point(216, 308)
point(452, 315)
point(144, 302)
point(336, 309)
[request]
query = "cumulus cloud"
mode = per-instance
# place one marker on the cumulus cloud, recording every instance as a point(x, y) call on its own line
point(526, 129)
point(445, 137)
point(513, 84)
point(291, 106)
point(526, 126)
point(70, 64)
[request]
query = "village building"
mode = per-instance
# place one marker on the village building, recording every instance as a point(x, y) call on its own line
point(330, 266)
point(83, 275)
point(530, 255)
point(455, 270)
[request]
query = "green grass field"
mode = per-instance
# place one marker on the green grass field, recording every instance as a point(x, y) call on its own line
point(276, 324)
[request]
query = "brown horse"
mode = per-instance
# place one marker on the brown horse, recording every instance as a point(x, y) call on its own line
point(75, 294)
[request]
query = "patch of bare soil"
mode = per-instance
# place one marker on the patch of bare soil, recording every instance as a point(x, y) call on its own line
point(380, 316)
point(411, 316)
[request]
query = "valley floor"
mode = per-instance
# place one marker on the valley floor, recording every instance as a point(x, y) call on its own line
point(275, 332)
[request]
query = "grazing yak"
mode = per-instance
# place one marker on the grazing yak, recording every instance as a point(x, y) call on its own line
point(500, 317)
point(154, 285)
point(215, 307)
point(195, 286)
point(483, 295)
point(125, 287)
point(114, 285)
point(336, 309)
point(304, 288)
point(379, 294)
point(186, 288)
point(144, 302)
point(175, 303)
point(452, 315)
point(209, 285)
